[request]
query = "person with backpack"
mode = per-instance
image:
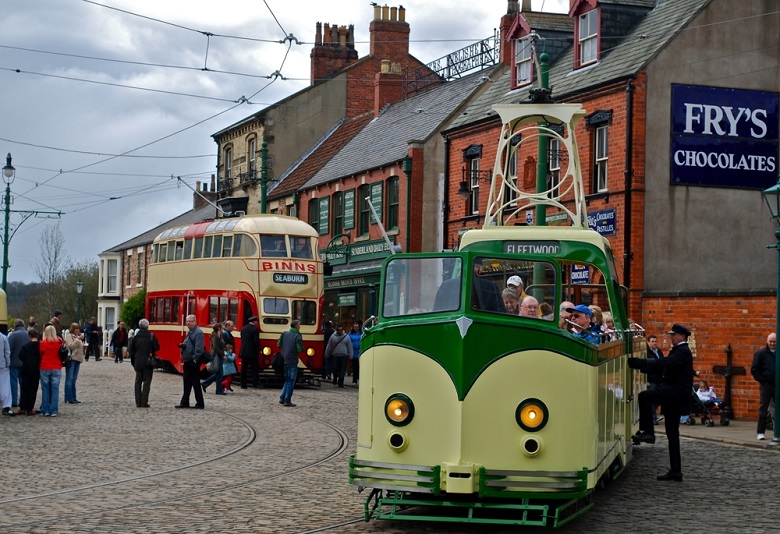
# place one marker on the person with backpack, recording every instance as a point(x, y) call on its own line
point(339, 349)
point(141, 349)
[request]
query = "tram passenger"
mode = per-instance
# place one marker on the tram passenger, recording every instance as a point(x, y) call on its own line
point(515, 283)
point(301, 248)
point(510, 301)
point(547, 311)
point(530, 307)
point(486, 295)
point(674, 396)
point(581, 322)
point(564, 314)
point(250, 352)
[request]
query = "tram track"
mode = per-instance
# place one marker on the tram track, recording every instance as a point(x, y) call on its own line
point(199, 495)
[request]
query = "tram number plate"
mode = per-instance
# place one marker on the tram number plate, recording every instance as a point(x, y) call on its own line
point(532, 247)
point(288, 278)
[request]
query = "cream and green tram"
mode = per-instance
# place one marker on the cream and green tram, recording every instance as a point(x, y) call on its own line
point(472, 409)
point(480, 412)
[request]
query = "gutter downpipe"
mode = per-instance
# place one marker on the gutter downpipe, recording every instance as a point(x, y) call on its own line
point(628, 254)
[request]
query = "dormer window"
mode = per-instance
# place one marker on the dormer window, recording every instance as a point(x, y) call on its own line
point(523, 61)
point(588, 37)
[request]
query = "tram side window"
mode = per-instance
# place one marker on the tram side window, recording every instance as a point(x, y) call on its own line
point(273, 246)
point(422, 285)
point(301, 247)
point(220, 309)
point(187, 249)
point(207, 246)
point(179, 250)
point(244, 246)
point(155, 252)
point(171, 250)
point(198, 248)
point(227, 245)
point(163, 250)
point(533, 299)
point(217, 246)
point(305, 311)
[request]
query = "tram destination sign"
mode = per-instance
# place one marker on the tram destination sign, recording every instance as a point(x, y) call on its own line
point(290, 278)
point(532, 247)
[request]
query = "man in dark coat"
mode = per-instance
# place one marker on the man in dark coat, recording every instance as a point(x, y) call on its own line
point(654, 379)
point(250, 352)
point(141, 348)
point(673, 394)
point(763, 370)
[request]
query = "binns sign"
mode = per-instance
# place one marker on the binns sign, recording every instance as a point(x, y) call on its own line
point(724, 137)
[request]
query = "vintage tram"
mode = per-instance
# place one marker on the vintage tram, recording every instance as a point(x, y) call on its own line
point(469, 412)
point(231, 269)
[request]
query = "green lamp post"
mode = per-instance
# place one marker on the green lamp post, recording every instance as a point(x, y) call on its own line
point(772, 197)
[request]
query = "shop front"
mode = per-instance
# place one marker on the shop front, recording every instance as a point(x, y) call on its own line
point(352, 291)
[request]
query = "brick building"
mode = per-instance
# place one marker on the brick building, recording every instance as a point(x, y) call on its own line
point(662, 82)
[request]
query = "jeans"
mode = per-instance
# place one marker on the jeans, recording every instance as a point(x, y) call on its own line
point(216, 377)
point(15, 383)
point(71, 375)
point(50, 390)
point(290, 374)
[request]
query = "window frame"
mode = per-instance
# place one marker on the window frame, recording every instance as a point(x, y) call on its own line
point(364, 213)
point(522, 59)
point(393, 202)
point(600, 158)
point(588, 43)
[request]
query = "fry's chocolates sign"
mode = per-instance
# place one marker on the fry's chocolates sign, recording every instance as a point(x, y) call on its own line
point(724, 137)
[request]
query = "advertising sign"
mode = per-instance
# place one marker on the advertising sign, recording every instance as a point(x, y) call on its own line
point(724, 137)
point(580, 274)
point(603, 221)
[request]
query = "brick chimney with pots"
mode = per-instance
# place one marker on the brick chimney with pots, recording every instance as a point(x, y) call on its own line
point(505, 26)
point(389, 33)
point(334, 50)
point(388, 86)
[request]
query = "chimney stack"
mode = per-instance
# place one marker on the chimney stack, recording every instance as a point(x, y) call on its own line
point(388, 86)
point(334, 50)
point(505, 26)
point(389, 33)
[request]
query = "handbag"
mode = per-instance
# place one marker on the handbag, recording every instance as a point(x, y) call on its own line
point(213, 365)
point(65, 356)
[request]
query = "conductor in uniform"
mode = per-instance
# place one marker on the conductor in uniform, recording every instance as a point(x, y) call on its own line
point(673, 394)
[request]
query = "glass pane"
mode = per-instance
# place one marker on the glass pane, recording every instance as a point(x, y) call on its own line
point(422, 285)
point(188, 249)
point(227, 245)
point(273, 246)
point(174, 310)
point(233, 311)
point(217, 246)
point(213, 309)
point(179, 250)
point(275, 305)
point(305, 311)
point(207, 246)
point(301, 247)
point(167, 317)
point(198, 252)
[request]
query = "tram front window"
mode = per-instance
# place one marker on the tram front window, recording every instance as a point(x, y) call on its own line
point(415, 286)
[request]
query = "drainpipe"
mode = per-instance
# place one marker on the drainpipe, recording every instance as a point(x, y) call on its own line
point(263, 175)
point(408, 172)
point(446, 195)
point(628, 255)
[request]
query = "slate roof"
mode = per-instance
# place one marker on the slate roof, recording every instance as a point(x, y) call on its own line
point(319, 155)
point(386, 138)
point(628, 57)
point(203, 213)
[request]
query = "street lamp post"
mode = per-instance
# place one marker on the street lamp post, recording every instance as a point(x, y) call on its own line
point(772, 197)
point(9, 173)
point(79, 289)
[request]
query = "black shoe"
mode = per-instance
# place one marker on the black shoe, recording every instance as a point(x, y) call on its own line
point(335, 381)
point(199, 407)
point(204, 388)
point(290, 404)
point(341, 385)
point(281, 401)
point(677, 477)
point(643, 437)
point(182, 406)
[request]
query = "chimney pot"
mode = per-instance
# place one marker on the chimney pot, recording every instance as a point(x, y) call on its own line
point(385, 12)
point(401, 14)
point(326, 34)
point(385, 65)
point(377, 12)
point(393, 13)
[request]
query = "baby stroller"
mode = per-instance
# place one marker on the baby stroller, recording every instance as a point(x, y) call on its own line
point(705, 410)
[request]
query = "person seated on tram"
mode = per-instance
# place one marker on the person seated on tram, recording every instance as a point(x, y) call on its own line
point(546, 311)
point(529, 307)
point(485, 295)
point(300, 248)
point(510, 301)
point(448, 295)
point(581, 324)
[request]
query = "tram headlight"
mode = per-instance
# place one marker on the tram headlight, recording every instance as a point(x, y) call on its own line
point(310, 352)
point(399, 409)
point(532, 415)
point(266, 351)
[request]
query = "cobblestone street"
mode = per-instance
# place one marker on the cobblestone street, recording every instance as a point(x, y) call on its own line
point(247, 464)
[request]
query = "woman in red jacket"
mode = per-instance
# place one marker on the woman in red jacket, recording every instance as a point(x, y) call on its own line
point(51, 371)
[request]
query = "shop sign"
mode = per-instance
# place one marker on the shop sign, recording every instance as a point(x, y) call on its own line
point(603, 221)
point(580, 274)
point(347, 300)
point(353, 281)
point(724, 137)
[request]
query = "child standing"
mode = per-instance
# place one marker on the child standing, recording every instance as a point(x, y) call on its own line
point(228, 368)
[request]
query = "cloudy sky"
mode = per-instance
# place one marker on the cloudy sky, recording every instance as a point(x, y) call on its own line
point(108, 106)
